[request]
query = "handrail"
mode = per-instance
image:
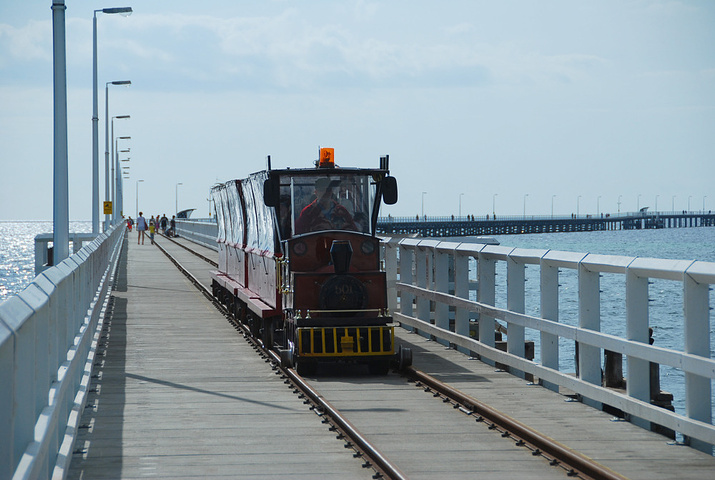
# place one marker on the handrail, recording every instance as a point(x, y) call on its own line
point(48, 334)
point(433, 276)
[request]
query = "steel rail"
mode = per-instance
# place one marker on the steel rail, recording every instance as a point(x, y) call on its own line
point(374, 458)
point(574, 462)
point(541, 444)
point(202, 257)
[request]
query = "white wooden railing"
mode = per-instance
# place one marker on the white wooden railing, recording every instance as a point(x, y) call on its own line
point(427, 277)
point(48, 336)
point(201, 231)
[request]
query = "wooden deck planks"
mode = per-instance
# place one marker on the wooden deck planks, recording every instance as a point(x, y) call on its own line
point(183, 395)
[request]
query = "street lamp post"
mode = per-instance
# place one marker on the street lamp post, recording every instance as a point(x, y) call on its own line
point(95, 116)
point(137, 191)
point(176, 198)
point(107, 143)
point(598, 206)
point(578, 200)
point(118, 201)
point(60, 195)
point(113, 178)
point(460, 205)
point(494, 203)
point(423, 204)
point(619, 204)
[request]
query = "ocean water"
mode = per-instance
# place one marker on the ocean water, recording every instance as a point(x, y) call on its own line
point(17, 252)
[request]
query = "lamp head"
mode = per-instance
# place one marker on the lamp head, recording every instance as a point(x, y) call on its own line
point(121, 82)
point(120, 10)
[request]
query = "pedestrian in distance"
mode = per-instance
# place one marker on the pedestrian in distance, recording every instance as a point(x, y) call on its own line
point(152, 229)
point(141, 228)
point(130, 224)
point(163, 223)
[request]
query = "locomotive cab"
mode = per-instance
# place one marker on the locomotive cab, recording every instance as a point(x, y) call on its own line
point(333, 290)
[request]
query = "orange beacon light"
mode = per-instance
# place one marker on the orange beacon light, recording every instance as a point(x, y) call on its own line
point(327, 158)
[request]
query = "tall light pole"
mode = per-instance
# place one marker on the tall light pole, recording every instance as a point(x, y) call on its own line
point(578, 200)
point(117, 197)
point(619, 204)
point(552, 205)
point(137, 191)
point(460, 205)
point(494, 203)
point(176, 197)
point(107, 143)
point(60, 195)
point(423, 204)
point(95, 115)
point(525, 195)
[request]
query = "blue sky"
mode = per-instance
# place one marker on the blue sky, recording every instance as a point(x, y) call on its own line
point(483, 102)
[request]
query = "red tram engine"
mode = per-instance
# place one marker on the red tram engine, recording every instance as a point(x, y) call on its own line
point(299, 262)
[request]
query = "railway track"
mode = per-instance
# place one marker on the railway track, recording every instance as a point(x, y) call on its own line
point(539, 451)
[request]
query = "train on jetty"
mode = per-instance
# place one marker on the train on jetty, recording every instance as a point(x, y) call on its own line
point(299, 262)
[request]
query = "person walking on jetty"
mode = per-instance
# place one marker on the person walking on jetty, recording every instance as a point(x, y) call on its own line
point(152, 228)
point(141, 228)
point(130, 224)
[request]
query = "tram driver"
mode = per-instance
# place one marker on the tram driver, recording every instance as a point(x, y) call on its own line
point(324, 213)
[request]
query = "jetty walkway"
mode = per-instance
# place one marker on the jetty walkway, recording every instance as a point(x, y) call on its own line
point(179, 393)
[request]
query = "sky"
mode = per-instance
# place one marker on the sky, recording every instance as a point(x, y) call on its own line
point(512, 106)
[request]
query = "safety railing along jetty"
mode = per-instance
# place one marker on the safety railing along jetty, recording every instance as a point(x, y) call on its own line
point(431, 289)
point(427, 278)
point(48, 336)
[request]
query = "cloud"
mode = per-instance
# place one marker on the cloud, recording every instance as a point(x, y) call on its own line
point(30, 42)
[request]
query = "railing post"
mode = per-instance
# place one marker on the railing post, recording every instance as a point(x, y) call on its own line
point(441, 284)
point(486, 273)
point(698, 390)
point(461, 289)
point(589, 316)
point(638, 383)
point(549, 279)
point(422, 272)
point(515, 279)
point(390, 257)
point(406, 263)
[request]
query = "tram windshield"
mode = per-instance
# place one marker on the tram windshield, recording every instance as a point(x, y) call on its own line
point(311, 203)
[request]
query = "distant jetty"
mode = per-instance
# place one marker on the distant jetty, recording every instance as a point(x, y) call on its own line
point(511, 225)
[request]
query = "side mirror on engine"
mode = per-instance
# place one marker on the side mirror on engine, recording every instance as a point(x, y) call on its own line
point(271, 192)
point(389, 190)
